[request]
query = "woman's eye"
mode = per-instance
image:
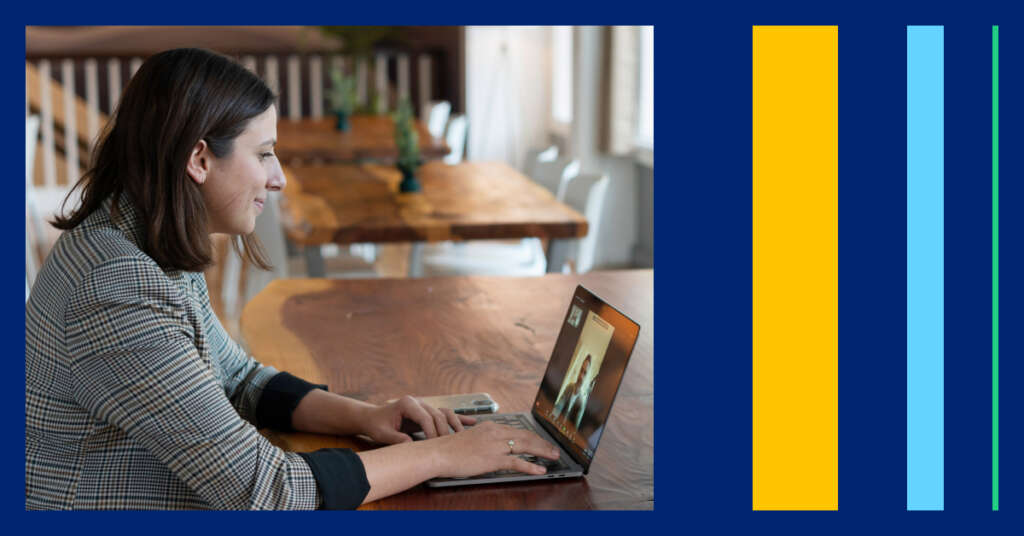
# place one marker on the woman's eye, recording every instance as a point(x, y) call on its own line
point(266, 155)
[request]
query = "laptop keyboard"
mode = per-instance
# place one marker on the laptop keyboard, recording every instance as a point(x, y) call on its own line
point(517, 421)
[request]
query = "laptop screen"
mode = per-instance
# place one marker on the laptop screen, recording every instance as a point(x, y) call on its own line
point(584, 373)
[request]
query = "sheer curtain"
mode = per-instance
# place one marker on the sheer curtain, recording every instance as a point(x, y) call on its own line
point(508, 95)
point(628, 91)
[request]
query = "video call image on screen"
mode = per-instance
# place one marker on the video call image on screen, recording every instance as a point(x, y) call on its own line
point(584, 374)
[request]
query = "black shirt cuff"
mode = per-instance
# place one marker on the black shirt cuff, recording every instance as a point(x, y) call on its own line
point(340, 478)
point(280, 397)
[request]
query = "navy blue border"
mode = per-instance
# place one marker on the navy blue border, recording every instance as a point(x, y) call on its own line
point(702, 223)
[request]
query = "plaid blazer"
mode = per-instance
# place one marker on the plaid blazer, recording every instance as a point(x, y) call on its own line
point(135, 397)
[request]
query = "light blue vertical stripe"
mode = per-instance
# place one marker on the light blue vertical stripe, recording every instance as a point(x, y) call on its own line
point(925, 448)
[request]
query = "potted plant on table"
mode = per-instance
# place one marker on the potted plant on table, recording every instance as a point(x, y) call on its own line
point(342, 97)
point(407, 142)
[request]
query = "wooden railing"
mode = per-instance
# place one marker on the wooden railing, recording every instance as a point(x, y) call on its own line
point(75, 96)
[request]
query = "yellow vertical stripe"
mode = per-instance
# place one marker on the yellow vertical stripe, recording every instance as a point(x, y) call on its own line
point(795, 268)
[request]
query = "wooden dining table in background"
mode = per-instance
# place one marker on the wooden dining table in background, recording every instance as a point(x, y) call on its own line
point(379, 339)
point(345, 204)
point(370, 137)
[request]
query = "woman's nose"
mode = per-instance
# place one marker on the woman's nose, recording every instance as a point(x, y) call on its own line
point(277, 180)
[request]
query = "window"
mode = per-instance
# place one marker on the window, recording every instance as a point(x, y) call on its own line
point(645, 106)
point(628, 121)
point(561, 76)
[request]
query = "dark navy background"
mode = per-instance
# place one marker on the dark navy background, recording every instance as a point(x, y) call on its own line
point(703, 230)
point(711, 278)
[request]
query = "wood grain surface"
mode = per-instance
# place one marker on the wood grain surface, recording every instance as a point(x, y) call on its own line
point(380, 339)
point(370, 137)
point(480, 200)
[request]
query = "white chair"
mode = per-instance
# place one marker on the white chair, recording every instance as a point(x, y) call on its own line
point(482, 258)
point(270, 234)
point(31, 140)
point(535, 156)
point(230, 278)
point(556, 174)
point(31, 267)
point(41, 203)
point(586, 193)
point(436, 115)
point(510, 257)
point(551, 174)
point(455, 137)
point(32, 218)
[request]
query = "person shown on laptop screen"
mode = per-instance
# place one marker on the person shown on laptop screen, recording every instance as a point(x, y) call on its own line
point(575, 396)
point(581, 376)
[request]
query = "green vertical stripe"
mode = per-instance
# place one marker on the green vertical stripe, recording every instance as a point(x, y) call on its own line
point(995, 268)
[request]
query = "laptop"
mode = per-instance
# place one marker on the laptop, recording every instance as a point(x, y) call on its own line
point(576, 393)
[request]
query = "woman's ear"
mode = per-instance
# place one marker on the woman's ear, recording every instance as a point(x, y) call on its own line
point(198, 166)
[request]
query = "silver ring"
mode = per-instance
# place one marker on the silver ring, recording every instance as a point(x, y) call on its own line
point(511, 443)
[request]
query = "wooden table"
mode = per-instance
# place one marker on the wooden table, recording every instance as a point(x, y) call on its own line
point(344, 204)
point(370, 137)
point(383, 338)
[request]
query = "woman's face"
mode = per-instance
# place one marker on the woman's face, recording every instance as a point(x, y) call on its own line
point(584, 368)
point(235, 187)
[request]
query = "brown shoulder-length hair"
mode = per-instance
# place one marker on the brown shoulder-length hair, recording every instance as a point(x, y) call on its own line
point(176, 98)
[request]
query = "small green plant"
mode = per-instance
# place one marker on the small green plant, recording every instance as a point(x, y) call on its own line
point(371, 106)
point(361, 40)
point(342, 94)
point(406, 138)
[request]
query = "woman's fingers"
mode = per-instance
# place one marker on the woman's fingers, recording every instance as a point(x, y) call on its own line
point(486, 447)
point(391, 437)
point(530, 443)
point(453, 419)
point(440, 420)
point(466, 419)
point(523, 466)
point(414, 411)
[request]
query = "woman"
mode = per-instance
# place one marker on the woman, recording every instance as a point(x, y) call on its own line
point(574, 397)
point(136, 398)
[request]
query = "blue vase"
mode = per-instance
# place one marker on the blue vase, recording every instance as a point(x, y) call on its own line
point(342, 122)
point(409, 182)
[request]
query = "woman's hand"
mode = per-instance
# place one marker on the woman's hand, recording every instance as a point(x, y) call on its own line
point(384, 423)
point(490, 447)
point(480, 449)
